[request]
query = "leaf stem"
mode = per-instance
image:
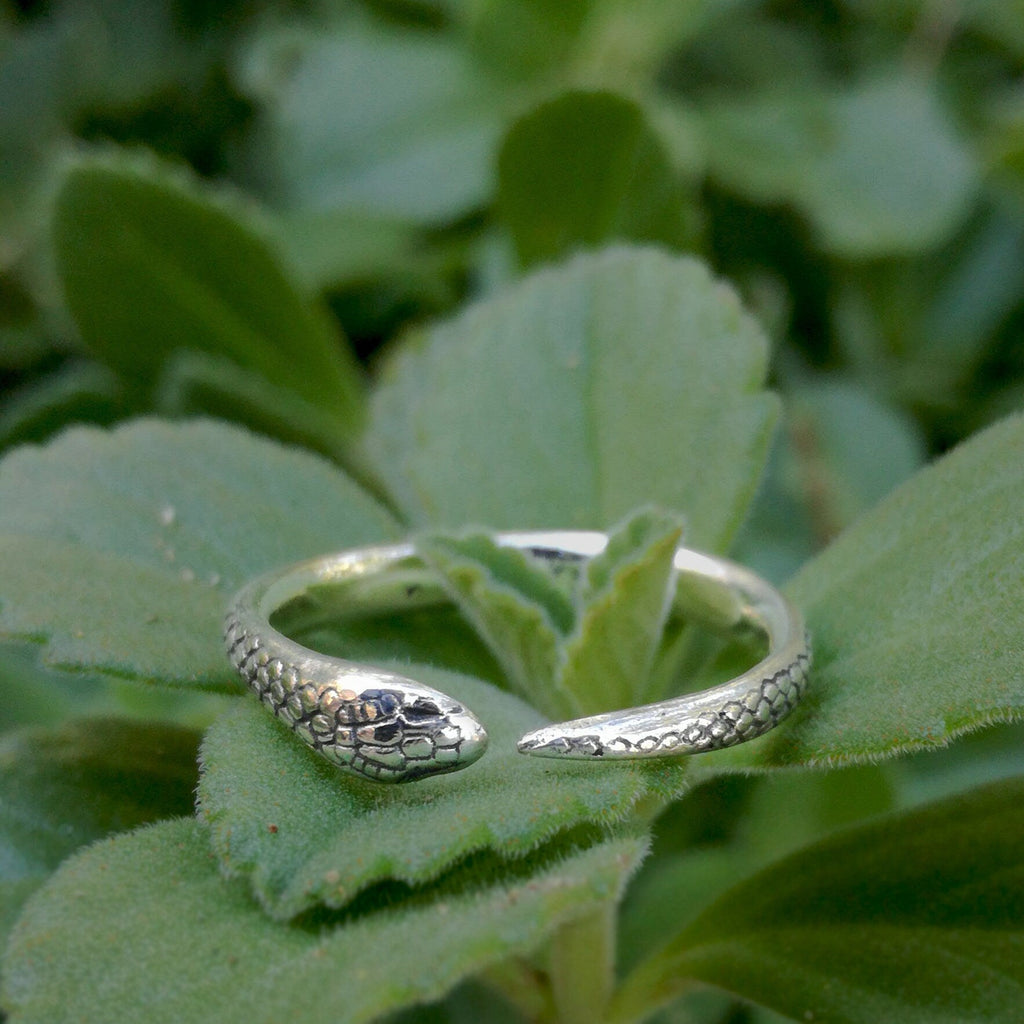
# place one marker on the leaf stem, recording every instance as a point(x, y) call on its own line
point(582, 966)
point(524, 987)
point(649, 987)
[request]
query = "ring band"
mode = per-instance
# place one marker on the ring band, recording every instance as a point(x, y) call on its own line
point(390, 728)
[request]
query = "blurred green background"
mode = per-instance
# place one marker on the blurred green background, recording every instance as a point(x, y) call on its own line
point(855, 167)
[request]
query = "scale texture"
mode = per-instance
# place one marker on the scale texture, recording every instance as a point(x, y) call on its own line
point(384, 733)
point(741, 717)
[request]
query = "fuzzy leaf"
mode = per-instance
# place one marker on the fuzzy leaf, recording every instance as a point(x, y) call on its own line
point(916, 616)
point(878, 168)
point(614, 380)
point(586, 168)
point(184, 271)
point(626, 595)
point(914, 917)
point(332, 836)
point(166, 939)
point(515, 605)
point(120, 549)
point(63, 788)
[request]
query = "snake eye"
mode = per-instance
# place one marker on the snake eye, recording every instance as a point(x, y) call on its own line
point(386, 733)
point(422, 709)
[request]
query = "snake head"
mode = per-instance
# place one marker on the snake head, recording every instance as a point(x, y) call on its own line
point(411, 734)
point(553, 742)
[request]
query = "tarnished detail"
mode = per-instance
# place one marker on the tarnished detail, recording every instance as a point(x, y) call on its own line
point(390, 728)
point(692, 731)
point(387, 732)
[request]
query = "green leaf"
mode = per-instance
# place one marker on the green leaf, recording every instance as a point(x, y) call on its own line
point(618, 379)
point(585, 168)
point(333, 248)
point(915, 917)
point(826, 471)
point(922, 330)
point(526, 38)
point(516, 607)
point(66, 787)
point(753, 48)
point(165, 937)
point(787, 810)
point(777, 537)
point(668, 888)
point(877, 168)
point(149, 529)
point(915, 614)
point(304, 835)
point(628, 43)
point(78, 392)
point(197, 383)
point(607, 43)
point(625, 597)
point(31, 696)
point(733, 826)
point(975, 759)
point(836, 433)
point(388, 123)
point(999, 22)
point(977, 292)
point(1004, 139)
point(437, 636)
point(568, 657)
point(184, 270)
point(44, 65)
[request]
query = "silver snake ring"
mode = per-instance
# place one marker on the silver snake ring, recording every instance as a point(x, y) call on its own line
point(389, 728)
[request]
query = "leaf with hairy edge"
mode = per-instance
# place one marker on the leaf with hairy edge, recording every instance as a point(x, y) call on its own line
point(915, 917)
point(303, 834)
point(617, 379)
point(625, 597)
point(515, 605)
point(166, 939)
point(916, 616)
point(183, 270)
point(65, 787)
point(120, 549)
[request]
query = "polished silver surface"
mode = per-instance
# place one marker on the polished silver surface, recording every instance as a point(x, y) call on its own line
point(377, 724)
point(741, 709)
point(389, 728)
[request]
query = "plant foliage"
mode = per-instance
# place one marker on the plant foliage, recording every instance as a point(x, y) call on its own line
point(280, 279)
